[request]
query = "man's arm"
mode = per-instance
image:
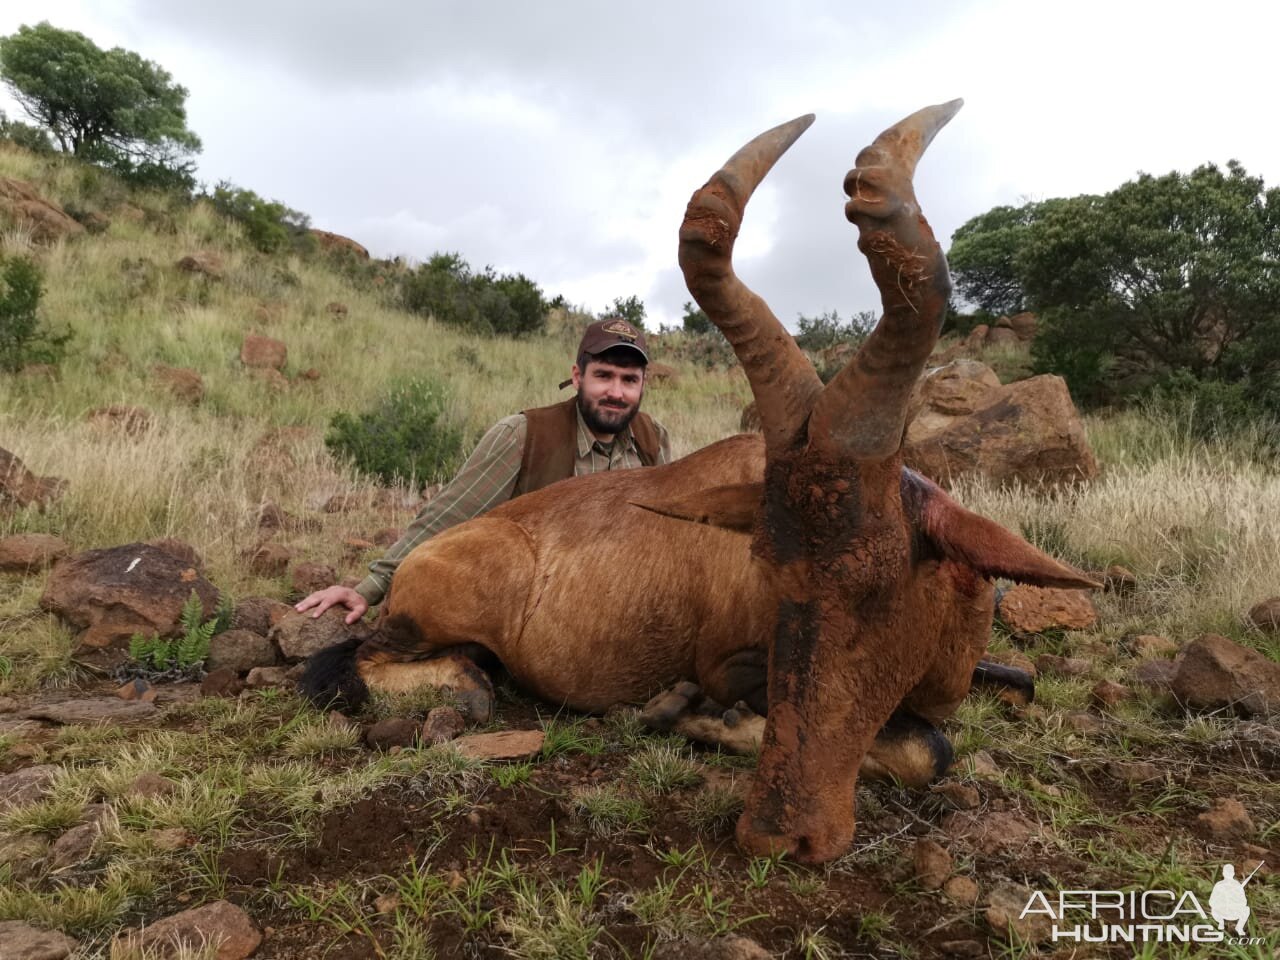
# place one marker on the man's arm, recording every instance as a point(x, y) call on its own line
point(485, 480)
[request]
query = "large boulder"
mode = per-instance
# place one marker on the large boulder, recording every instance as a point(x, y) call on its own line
point(22, 205)
point(113, 593)
point(20, 487)
point(336, 243)
point(263, 352)
point(29, 552)
point(1216, 673)
point(967, 424)
point(183, 382)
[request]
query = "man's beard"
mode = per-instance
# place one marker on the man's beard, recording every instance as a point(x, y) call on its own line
point(602, 419)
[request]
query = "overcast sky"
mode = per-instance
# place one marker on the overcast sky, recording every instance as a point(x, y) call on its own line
point(563, 139)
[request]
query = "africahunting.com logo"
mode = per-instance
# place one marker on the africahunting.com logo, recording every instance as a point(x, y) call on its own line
point(1148, 916)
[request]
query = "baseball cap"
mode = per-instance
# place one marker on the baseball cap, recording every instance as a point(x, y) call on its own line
point(606, 334)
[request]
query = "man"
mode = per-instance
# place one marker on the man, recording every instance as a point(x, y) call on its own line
point(601, 428)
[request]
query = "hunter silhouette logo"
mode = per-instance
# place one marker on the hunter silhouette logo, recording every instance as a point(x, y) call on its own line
point(1149, 916)
point(621, 328)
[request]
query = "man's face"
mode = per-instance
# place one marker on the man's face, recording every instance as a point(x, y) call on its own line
point(608, 395)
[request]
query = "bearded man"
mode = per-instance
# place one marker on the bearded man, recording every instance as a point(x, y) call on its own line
point(600, 428)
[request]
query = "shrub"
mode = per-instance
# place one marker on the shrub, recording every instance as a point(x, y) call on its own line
point(29, 137)
point(826, 330)
point(269, 224)
point(630, 309)
point(405, 437)
point(22, 339)
point(696, 321)
point(445, 287)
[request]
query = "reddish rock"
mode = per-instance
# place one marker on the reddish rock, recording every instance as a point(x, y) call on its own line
point(260, 351)
point(204, 263)
point(308, 577)
point(259, 614)
point(220, 922)
point(92, 711)
point(22, 488)
point(336, 308)
point(1134, 771)
point(23, 206)
point(336, 243)
point(959, 796)
point(1027, 609)
point(1266, 615)
point(1226, 820)
point(26, 785)
point(1005, 907)
point(393, 732)
point(221, 683)
point(241, 651)
point(75, 846)
point(1119, 580)
point(129, 420)
point(150, 784)
point(299, 635)
point(20, 941)
point(113, 593)
point(990, 832)
point(442, 724)
point(1217, 673)
point(932, 864)
point(1026, 432)
point(270, 560)
point(1084, 723)
point(1107, 693)
point(29, 552)
point(1157, 674)
point(1023, 324)
point(1048, 664)
point(353, 547)
point(180, 550)
point(137, 689)
point(1149, 645)
point(504, 745)
point(659, 373)
point(961, 890)
point(266, 677)
point(183, 382)
point(273, 378)
point(345, 502)
point(387, 536)
point(310, 374)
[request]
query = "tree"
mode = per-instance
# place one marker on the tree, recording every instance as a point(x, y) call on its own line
point(22, 338)
point(106, 106)
point(446, 288)
point(695, 320)
point(630, 309)
point(269, 224)
point(1165, 281)
point(25, 135)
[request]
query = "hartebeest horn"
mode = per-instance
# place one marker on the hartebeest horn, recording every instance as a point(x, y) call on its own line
point(781, 377)
point(862, 411)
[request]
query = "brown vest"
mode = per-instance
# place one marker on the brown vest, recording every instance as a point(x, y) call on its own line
point(551, 444)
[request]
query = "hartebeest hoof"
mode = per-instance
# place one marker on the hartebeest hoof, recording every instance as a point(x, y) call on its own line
point(454, 676)
point(909, 751)
point(1015, 687)
point(686, 710)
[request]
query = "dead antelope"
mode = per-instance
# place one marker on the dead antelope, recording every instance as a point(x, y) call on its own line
point(805, 572)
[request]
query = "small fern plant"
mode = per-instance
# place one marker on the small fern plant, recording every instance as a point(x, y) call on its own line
point(189, 651)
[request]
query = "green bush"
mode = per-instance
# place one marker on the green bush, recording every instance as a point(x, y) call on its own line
point(22, 339)
point(446, 288)
point(821, 332)
point(269, 224)
point(405, 437)
point(25, 135)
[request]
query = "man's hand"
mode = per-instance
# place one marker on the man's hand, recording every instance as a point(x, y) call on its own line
point(335, 596)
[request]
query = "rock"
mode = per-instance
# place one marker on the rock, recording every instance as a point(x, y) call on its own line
point(241, 651)
point(19, 941)
point(353, 547)
point(150, 784)
point(961, 890)
point(1217, 673)
point(1026, 432)
point(387, 536)
point(1157, 674)
point(29, 552)
point(137, 689)
point(442, 724)
point(959, 796)
point(1119, 580)
point(270, 560)
point(259, 614)
point(309, 577)
point(978, 764)
point(1266, 615)
point(92, 710)
point(1050, 665)
point(1001, 336)
point(345, 502)
point(393, 732)
point(221, 683)
point(129, 420)
point(732, 947)
point(335, 308)
point(205, 263)
point(1083, 722)
point(22, 488)
point(1005, 906)
point(220, 922)
point(299, 635)
point(991, 832)
point(1026, 609)
point(336, 243)
point(1013, 658)
point(27, 785)
point(660, 373)
point(270, 376)
point(46, 222)
point(74, 847)
point(963, 948)
point(113, 593)
point(1107, 693)
point(183, 382)
point(180, 550)
point(1134, 771)
point(310, 374)
point(1023, 324)
point(1226, 819)
point(266, 677)
point(1148, 645)
point(504, 745)
point(932, 864)
point(259, 351)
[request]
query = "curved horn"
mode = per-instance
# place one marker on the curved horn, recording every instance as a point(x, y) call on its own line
point(782, 378)
point(862, 411)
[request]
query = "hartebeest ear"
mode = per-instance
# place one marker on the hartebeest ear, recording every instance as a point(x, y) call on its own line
point(733, 507)
point(983, 544)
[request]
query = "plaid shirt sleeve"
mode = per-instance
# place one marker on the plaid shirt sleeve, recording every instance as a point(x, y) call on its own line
point(485, 480)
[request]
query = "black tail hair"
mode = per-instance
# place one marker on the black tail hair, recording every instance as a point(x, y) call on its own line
point(330, 680)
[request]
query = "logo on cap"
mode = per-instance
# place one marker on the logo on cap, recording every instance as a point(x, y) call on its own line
point(621, 328)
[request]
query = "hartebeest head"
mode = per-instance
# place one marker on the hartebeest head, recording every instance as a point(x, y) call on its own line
point(881, 581)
